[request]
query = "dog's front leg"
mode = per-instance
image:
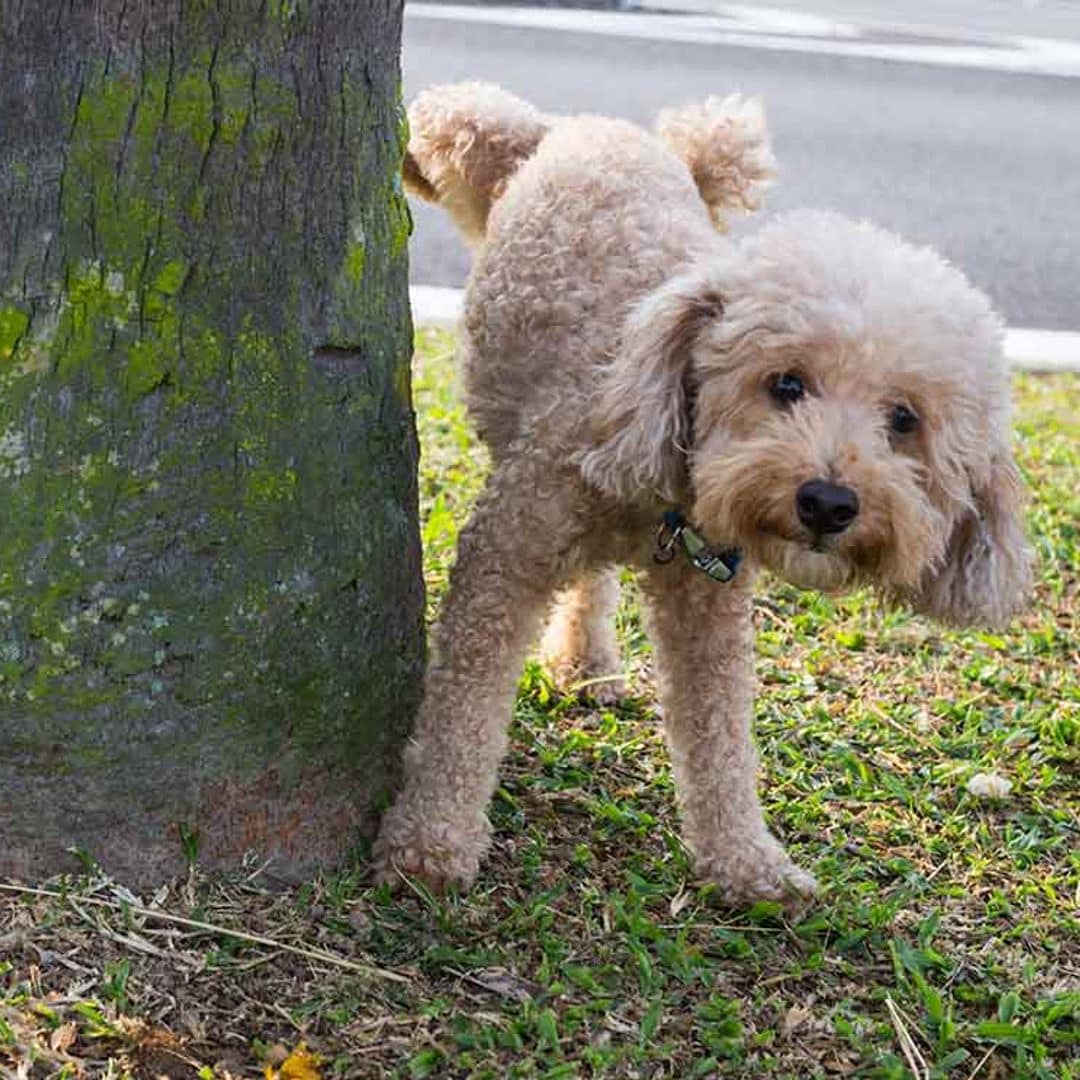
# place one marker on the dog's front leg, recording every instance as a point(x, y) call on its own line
point(509, 560)
point(703, 640)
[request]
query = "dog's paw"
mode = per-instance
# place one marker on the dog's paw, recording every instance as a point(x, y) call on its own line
point(758, 868)
point(598, 676)
point(600, 681)
point(607, 691)
point(436, 853)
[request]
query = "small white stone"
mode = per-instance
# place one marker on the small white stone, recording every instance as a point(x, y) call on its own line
point(989, 786)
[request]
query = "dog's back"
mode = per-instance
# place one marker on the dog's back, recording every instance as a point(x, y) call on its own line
point(574, 220)
point(599, 216)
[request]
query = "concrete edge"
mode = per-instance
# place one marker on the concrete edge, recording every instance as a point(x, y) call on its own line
point(1027, 349)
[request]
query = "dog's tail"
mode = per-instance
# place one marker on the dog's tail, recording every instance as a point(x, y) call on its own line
point(466, 141)
point(725, 144)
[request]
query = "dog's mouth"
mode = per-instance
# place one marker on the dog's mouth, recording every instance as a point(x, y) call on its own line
point(817, 543)
point(805, 559)
point(796, 536)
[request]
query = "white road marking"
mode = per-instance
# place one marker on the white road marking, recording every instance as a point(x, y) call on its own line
point(1027, 350)
point(784, 32)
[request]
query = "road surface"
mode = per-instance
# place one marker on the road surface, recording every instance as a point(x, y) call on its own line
point(983, 164)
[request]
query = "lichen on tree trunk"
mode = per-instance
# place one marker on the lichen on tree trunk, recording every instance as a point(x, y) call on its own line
point(210, 597)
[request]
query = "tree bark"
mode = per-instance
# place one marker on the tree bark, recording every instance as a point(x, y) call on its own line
point(210, 591)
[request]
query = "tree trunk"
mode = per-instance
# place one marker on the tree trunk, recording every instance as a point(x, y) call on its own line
point(210, 592)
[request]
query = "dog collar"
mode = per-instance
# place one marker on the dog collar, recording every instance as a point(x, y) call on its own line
point(674, 530)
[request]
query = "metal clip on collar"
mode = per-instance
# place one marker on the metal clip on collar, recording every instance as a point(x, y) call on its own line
point(675, 530)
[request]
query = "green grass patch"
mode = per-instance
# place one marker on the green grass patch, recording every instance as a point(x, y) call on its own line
point(951, 917)
point(946, 942)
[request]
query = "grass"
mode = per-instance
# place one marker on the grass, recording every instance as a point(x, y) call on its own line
point(946, 942)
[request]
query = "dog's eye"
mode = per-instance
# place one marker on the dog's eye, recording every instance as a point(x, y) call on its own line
point(787, 388)
point(902, 420)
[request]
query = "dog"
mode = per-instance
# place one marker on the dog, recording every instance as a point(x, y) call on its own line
point(820, 399)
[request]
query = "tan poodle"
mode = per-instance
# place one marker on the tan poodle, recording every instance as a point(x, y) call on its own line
point(821, 399)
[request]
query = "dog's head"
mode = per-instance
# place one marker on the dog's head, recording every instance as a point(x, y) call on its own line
point(836, 403)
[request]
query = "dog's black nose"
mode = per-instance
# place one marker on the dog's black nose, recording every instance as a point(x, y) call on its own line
point(825, 507)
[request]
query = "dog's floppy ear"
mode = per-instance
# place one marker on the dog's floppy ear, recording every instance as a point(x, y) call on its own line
point(987, 569)
point(642, 422)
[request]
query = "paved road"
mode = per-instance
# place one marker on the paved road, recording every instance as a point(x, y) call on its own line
point(984, 165)
point(964, 18)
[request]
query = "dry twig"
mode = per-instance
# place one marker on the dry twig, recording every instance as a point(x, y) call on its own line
point(211, 928)
point(912, 1055)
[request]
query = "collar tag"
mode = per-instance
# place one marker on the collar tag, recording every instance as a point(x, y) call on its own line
point(675, 530)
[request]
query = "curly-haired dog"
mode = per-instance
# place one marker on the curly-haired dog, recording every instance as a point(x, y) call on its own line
point(821, 399)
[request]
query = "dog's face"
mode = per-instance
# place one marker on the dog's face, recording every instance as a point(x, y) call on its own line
point(835, 403)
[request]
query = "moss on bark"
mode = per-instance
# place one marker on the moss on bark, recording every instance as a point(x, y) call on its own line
point(210, 600)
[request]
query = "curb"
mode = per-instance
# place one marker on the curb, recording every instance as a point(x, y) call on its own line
point(1039, 351)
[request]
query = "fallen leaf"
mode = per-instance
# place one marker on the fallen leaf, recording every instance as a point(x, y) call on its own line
point(62, 1038)
point(276, 1053)
point(301, 1064)
point(989, 786)
point(504, 983)
point(679, 902)
point(619, 1025)
point(796, 1016)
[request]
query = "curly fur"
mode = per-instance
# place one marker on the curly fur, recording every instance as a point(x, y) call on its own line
point(579, 645)
point(617, 355)
point(468, 139)
point(725, 144)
